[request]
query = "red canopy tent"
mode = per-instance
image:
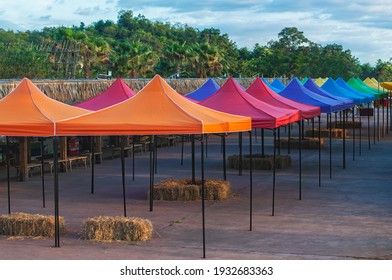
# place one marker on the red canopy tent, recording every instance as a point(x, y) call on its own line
point(232, 99)
point(261, 91)
point(116, 93)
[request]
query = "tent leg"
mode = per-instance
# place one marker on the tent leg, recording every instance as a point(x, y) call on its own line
point(360, 135)
point(182, 149)
point(278, 140)
point(7, 152)
point(330, 145)
point(301, 123)
point(288, 140)
point(353, 119)
point(203, 196)
point(151, 174)
point(273, 175)
point(224, 157)
point(133, 162)
point(344, 139)
point(155, 154)
point(123, 174)
point(319, 148)
point(240, 146)
point(92, 163)
point(193, 159)
point(262, 143)
point(56, 194)
point(250, 181)
point(42, 173)
point(369, 123)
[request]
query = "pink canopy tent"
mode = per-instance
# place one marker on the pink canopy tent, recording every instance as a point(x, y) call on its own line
point(232, 99)
point(116, 93)
point(261, 91)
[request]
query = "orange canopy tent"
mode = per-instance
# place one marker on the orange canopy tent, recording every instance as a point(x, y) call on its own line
point(27, 111)
point(156, 109)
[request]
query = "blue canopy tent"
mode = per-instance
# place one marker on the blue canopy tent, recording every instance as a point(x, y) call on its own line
point(366, 98)
point(310, 85)
point(206, 90)
point(276, 83)
point(296, 91)
point(270, 86)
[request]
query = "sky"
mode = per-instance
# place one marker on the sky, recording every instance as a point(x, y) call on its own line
point(362, 26)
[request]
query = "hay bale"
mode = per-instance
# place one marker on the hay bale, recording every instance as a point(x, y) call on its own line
point(22, 224)
point(105, 228)
point(306, 143)
point(324, 132)
point(184, 190)
point(259, 161)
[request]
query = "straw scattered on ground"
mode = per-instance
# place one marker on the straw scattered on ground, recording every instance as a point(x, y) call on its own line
point(259, 161)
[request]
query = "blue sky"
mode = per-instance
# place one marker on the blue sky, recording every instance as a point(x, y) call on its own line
point(364, 27)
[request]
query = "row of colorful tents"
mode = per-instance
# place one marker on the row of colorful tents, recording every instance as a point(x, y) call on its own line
point(158, 109)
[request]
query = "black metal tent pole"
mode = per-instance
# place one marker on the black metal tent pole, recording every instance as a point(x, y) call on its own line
point(206, 139)
point(353, 119)
point(92, 162)
point(123, 173)
point(193, 159)
point(240, 147)
point(288, 140)
point(383, 118)
point(369, 123)
point(312, 127)
point(279, 140)
point(224, 156)
point(250, 182)
point(156, 153)
point(133, 159)
point(374, 123)
point(273, 174)
point(182, 149)
point(360, 134)
point(387, 117)
point(56, 193)
point(344, 139)
point(378, 119)
point(203, 196)
point(330, 145)
point(262, 142)
point(319, 148)
point(151, 174)
point(301, 124)
point(7, 155)
point(43, 173)
point(256, 134)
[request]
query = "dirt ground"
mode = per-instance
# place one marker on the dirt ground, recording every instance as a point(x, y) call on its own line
point(348, 217)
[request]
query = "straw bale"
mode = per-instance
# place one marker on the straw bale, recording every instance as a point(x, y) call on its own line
point(23, 224)
point(106, 228)
point(259, 161)
point(184, 190)
point(306, 143)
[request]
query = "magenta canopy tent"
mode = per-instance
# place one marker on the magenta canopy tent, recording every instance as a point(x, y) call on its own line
point(231, 98)
point(116, 93)
point(263, 92)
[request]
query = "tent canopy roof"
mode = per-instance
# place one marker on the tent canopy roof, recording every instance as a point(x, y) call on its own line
point(296, 91)
point(260, 90)
point(156, 109)
point(115, 93)
point(27, 111)
point(231, 98)
point(206, 90)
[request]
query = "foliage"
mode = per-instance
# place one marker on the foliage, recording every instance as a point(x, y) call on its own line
point(136, 47)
